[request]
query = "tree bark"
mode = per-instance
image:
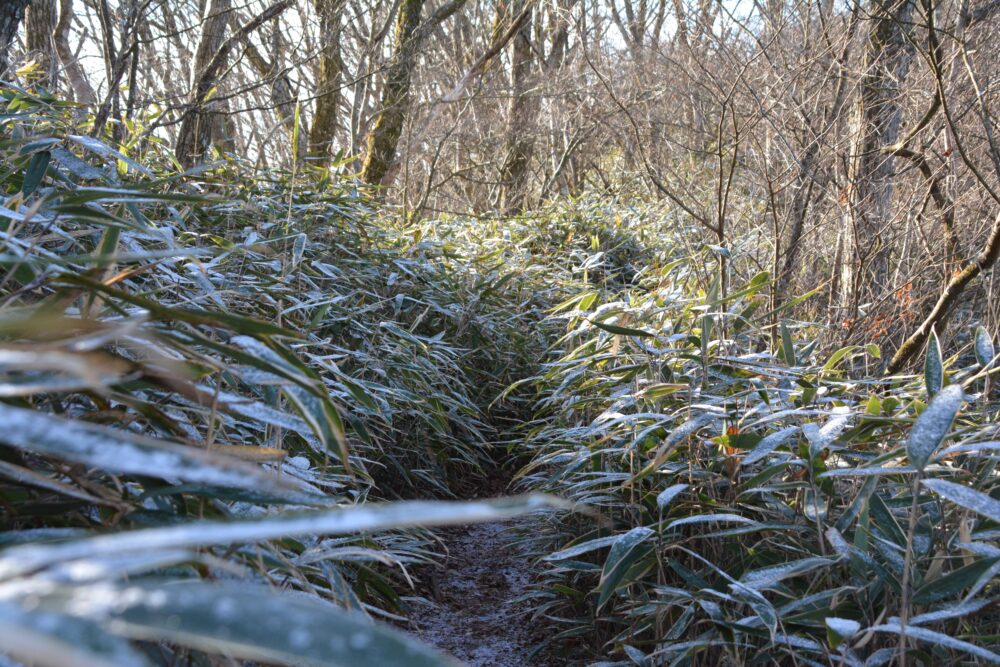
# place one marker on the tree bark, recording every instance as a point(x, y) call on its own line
point(384, 135)
point(937, 318)
point(201, 126)
point(519, 146)
point(39, 27)
point(322, 134)
point(11, 13)
point(82, 90)
point(875, 125)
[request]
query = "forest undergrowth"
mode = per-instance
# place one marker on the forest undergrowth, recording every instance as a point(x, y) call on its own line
point(237, 404)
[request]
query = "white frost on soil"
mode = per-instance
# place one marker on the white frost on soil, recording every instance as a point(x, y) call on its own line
point(472, 617)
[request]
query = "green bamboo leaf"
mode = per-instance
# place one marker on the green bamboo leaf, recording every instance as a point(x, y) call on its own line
point(625, 551)
point(953, 583)
point(36, 170)
point(369, 517)
point(665, 497)
point(622, 331)
point(787, 346)
point(706, 335)
point(840, 629)
point(770, 442)
point(119, 451)
point(246, 622)
point(933, 366)
point(837, 356)
point(938, 639)
point(295, 133)
point(933, 425)
point(984, 347)
point(582, 548)
point(966, 497)
point(49, 639)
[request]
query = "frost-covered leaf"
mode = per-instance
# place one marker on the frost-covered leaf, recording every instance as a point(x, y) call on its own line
point(362, 518)
point(317, 410)
point(248, 622)
point(49, 639)
point(624, 552)
point(869, 472)
point(768, 444)
point(966, 497)
point(665, 497)
point(821, 438)
point(710, 518)
point(970, 448)
point(105, 151)
point(120, 451)
point(933, 366)
point(938, 639)
point(984, 347)
point(769, 576)
point(76, 166)
point(298, 249)
point(675, 437)
point(950, 611)
point(762, 607)
point(798, 641)
point(843, 627)
point(636, 656)
point(933, 424)
point(582, 548)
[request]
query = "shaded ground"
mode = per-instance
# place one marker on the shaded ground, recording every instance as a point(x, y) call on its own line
point(473, 616)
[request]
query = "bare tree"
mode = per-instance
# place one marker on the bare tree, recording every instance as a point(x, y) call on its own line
point(384, 135)
point(11, 13)
point(876, 121)
point(519, 144)
point(40, 25)
point(202, 127)
point(329, 67)
point(83, 92)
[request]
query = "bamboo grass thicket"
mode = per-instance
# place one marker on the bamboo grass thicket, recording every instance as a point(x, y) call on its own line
point(217, 386)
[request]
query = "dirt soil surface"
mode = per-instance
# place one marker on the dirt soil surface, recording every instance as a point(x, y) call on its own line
point(473, 616)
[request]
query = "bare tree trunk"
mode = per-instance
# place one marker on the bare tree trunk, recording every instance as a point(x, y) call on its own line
point(82, 90)
point(11, 13)
point(39, 26)
point(201, 126)
point(384, 135)
point(875, 125)
point(198, 122)
point(519, 146)
point(329, 69)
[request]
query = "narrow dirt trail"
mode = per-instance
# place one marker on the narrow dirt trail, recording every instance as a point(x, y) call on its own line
point(474, 616)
